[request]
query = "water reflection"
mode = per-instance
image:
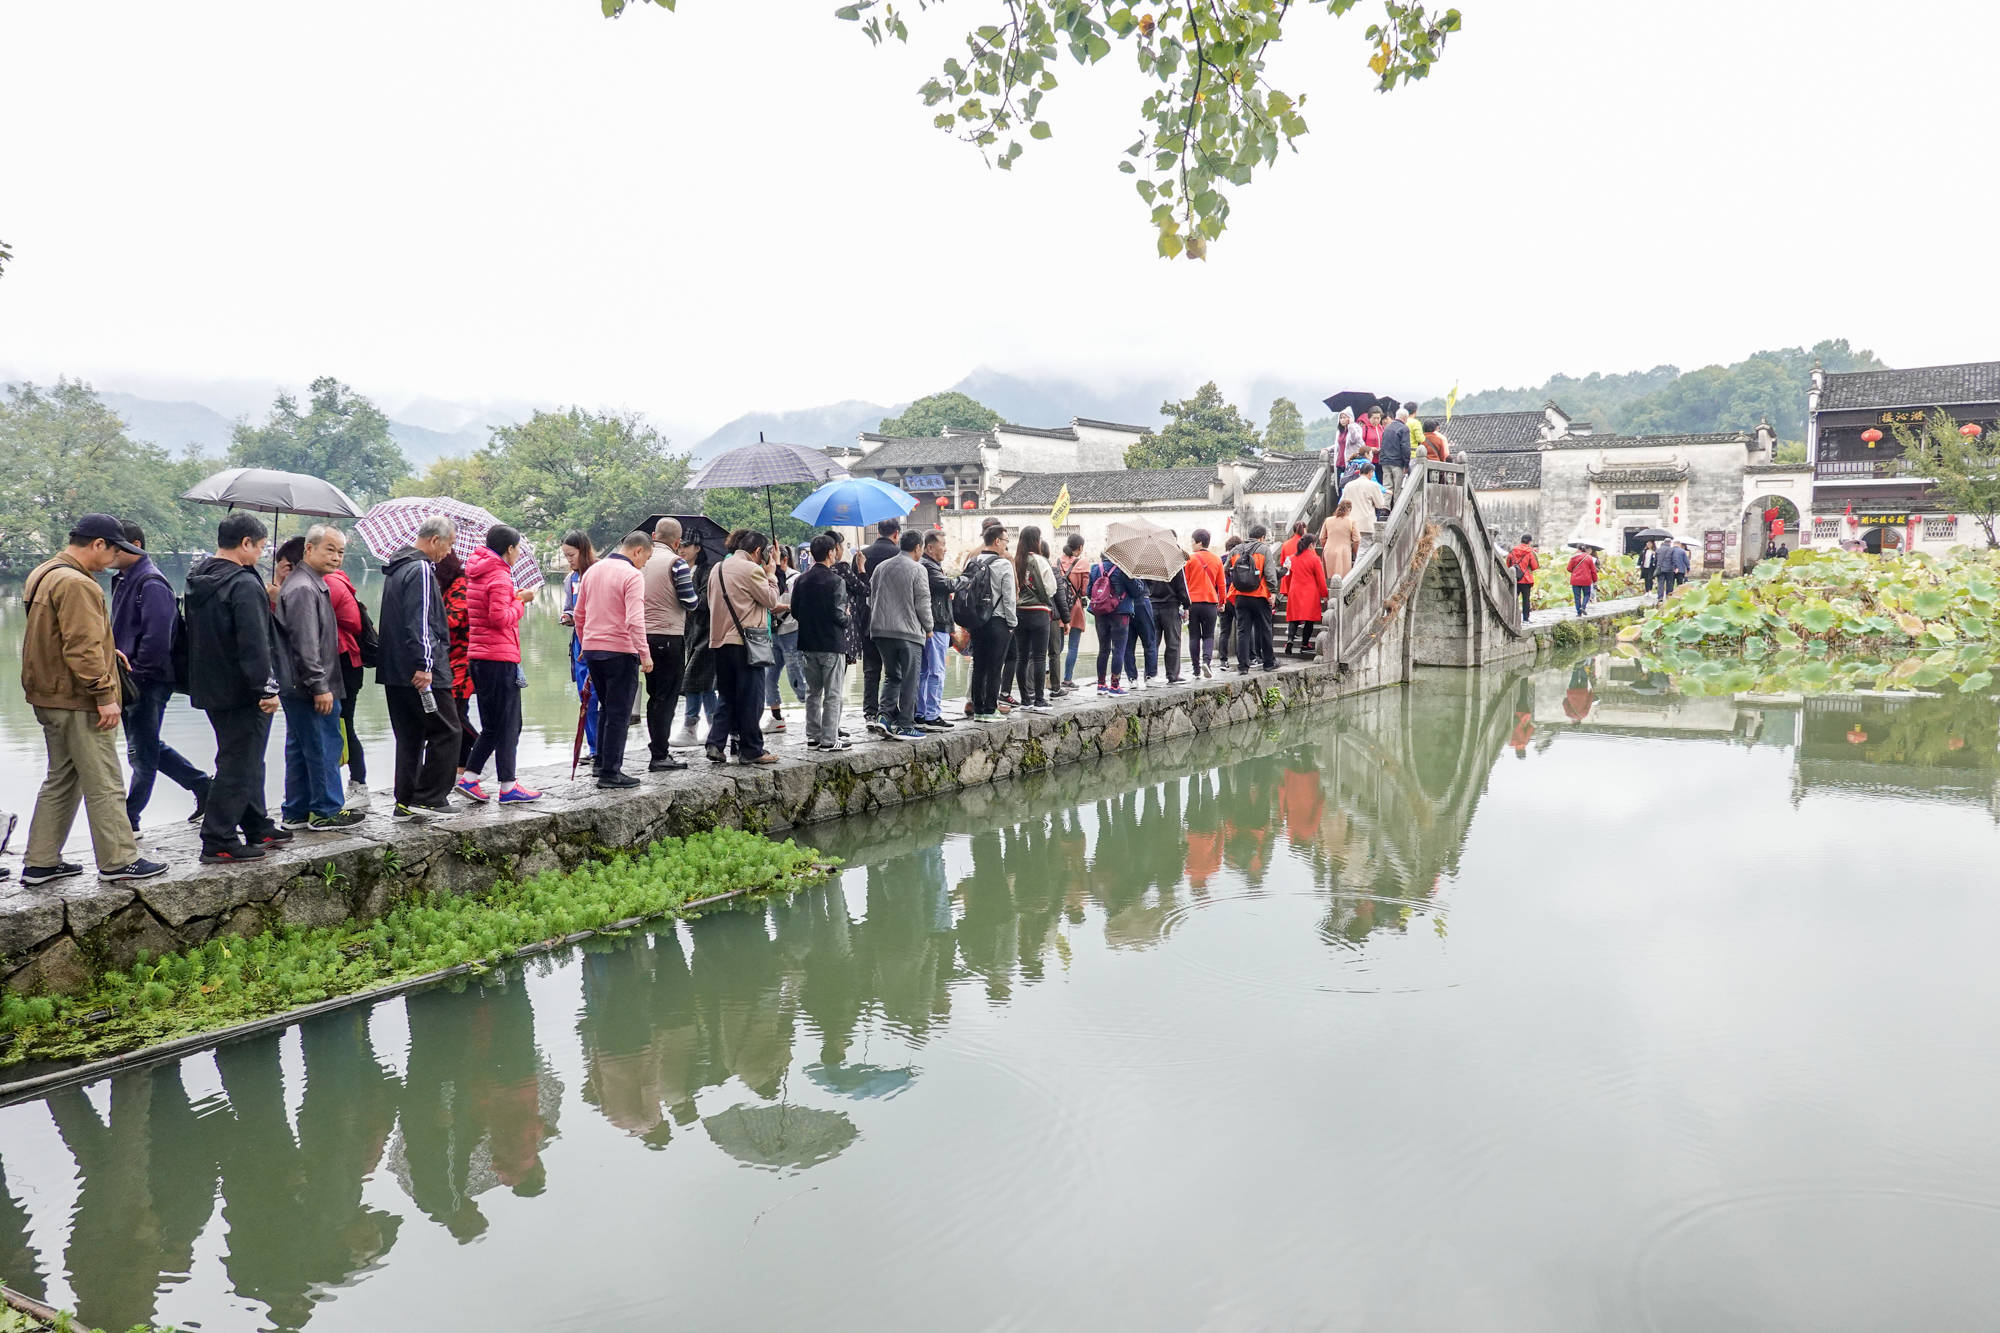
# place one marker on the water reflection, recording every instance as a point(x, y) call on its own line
point(775, 1039)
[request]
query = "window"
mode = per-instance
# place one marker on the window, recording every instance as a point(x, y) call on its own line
point(1825, 529)
point(1942, 529)
point(1645, 500)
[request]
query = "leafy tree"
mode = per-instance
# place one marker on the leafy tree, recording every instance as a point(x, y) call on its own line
point(1285, 429)
point(1964, 469)
point(342, 438)
point(1204, 429)
point(746, 509)
point(64, 454)
point(1789, 451)
point(930, 416)
point(1210, 122)
point(601, 472)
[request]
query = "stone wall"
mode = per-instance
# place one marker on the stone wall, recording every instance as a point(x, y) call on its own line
point(54, 938)
point(1711, 495)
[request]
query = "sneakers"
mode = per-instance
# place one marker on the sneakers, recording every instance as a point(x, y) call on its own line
point(616, 781)
point(909, 734)
point(715, 755)
point(986, 717)
point(686, 737)
point(765, 758)
point(340, 819)
point(876, 727)
point(295, 822)
point(1112, 689)
point(274, 837)
point(201, 791)
point(472, 789)
point(933, 724)
point(410, 814)
point(519, 795)
point(841, 744)
point(33, 875)
point(357, 792)
point(889, 735)
point(140, 869)
point(777, 722)
point(665, 764)
point(234, 854)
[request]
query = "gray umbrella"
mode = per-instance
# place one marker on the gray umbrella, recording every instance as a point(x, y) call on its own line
point(766, 464)
point(273, 492)
point(781, 1135)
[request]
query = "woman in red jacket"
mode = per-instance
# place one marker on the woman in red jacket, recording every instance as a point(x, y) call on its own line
point(493, 611)
point(1582, 578)
point(1305, 598)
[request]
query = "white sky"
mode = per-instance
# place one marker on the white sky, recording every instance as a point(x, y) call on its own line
point(743, 205)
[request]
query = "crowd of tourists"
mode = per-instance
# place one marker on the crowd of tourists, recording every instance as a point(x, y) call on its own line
point(709, 637)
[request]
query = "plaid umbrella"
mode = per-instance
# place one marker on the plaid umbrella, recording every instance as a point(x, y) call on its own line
point(392, 525)
point(766, 464)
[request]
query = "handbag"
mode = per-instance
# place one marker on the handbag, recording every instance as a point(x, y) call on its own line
point(757, 644)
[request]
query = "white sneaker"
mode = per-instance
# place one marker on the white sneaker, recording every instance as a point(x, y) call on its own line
point(1136, 684)
point(357, 793)
point(686, 736)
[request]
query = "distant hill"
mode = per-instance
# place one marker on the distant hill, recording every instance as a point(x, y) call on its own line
point(1051, 402)
point(172, 426)
point(816, 427)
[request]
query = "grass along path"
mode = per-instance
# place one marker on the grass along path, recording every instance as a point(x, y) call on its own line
point(228, 981)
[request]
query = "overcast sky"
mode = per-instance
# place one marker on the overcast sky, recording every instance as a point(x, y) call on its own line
point(743, 205)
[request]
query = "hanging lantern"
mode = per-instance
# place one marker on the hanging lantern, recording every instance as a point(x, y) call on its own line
point(1871, 437)
point(1857, 736)
point(944, 502)
point(1955, 743)
point(968, 503)
point(1972, 430)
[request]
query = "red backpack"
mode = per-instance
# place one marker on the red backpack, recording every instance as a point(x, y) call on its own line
point(1103, 599)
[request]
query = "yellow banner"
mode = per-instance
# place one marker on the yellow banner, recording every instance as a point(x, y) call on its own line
point(1059, 514)
point(1451, 401)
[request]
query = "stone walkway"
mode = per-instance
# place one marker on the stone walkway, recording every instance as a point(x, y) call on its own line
point(1598, 611)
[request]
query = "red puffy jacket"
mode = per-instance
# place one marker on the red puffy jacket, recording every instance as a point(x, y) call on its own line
point(492, 611)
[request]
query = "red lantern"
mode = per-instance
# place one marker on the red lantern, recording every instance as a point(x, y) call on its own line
point(1857, 736)
point(944, 501)
point(1871, 437)
point(1955, 743)
point(1971, 430)
point(968, 503)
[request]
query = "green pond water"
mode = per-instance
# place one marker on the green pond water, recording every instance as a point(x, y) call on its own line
point(1548, 1001)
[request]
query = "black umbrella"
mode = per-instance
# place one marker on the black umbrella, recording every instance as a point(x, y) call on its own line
point(1388, 403)
point(697, 528)
point(1654, 535)
point(1350, 400)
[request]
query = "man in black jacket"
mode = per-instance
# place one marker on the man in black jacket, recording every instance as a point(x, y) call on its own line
point(414, 669)
point(930, 689)
point(879, 553)
point(231, 677)
point(819, 604)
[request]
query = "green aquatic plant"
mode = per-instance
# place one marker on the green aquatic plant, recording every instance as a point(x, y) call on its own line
point(232, 980)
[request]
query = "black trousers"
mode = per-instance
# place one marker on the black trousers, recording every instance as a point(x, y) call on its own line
point(871, 677)
point(663, 688)
point(426, 743)
point(1225, 633)
point(614, 679)
point(468, 731)
point(1253, 634)
point(1167, 622)
point(1527, 591)
point(1031, 649)
point(499, 692)
point(989, 653)
point(236, 799)
point(350, 683)
point(742, 713)
point(1201, 632)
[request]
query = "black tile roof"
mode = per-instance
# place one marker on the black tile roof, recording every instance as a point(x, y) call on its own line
point(1644, 441)
point(1920, 386)
point(1038, 490)
point(1778, 467)
point(1046, 432)
point(906, 452)
point(1483, 432)
point(1634, 476)
point(1108, 425)
point(1505, 470)
point(1283, 474)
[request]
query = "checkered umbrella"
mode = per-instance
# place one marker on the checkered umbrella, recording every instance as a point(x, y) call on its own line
point(392, 525)
point(766, 464)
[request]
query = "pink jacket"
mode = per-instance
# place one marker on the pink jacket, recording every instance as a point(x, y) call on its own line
point(611, 608)
point(492, 611)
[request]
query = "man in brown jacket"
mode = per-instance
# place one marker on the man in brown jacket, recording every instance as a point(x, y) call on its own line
point(69, 671)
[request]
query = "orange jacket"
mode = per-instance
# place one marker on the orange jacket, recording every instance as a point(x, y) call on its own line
point(1204, 577)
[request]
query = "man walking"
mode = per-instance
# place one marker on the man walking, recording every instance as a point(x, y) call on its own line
point(884, 549)
point(611, 623)
point(1368, 499)
point(670, 595)
point(930, 690)
point(231, 678)
point(310, 688)
point(143, 617)
point(69, 671)
point(1253, 577)
point(900, 621)
point(1522, 563)
point(1396, 449)
point(414, 669)
point(819, 604)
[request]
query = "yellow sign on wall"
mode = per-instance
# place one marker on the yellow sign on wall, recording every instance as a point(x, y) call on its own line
point(1059, 514)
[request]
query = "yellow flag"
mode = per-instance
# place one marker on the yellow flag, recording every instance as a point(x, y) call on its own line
point(1450, 401)
point(1060, 511)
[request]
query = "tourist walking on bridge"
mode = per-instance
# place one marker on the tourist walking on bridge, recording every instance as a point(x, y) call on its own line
point(142, 625)
point(231, 678)
point(1339, 542)
point(1305, 596)
point(1522, 563)
point(1396, 450)
point(1202, 578)
point(309, 688)
point(1582, 579)
point(414, 670)
point(494, 608)
point(1370, 503)
point(69, 672)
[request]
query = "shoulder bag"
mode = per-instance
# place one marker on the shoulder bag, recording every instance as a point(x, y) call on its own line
point(756, 643)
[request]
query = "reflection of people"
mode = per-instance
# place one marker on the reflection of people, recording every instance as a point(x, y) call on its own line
point(1577, 700)
point(1524, 719)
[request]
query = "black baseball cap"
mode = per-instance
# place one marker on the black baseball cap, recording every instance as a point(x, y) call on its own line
point(92, 526)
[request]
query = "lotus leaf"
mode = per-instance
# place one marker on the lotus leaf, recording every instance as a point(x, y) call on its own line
point(1927, 676)
point(1941, 632)
point(1815, 674)
point(1817, 618)
point(1930, 602)
point(1977, 681)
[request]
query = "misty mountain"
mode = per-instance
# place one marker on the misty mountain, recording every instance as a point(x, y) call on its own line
point(1048, 402)
point(815, 427)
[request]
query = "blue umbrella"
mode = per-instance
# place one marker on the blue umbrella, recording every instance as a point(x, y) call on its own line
point(854, 501)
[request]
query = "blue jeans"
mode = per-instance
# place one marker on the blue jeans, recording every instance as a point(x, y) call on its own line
point(312, 760)
point(1582, 595)
point(148, 755)
point(700, 705)
point(930, 689)
point(1069, 660)
point(579, 672)
point(1145, 631)
point(1111, 645)
point(787, 664)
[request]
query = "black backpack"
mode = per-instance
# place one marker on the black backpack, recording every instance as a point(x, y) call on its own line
point(369, 641)
point(1244, 576)
point(1063, 598)
point(973, 596)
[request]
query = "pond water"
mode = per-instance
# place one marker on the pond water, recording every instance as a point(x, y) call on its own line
point(1508, 1001)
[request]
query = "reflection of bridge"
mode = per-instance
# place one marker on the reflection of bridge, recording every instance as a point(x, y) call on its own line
point(1366, 804)
point(1432, 590)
